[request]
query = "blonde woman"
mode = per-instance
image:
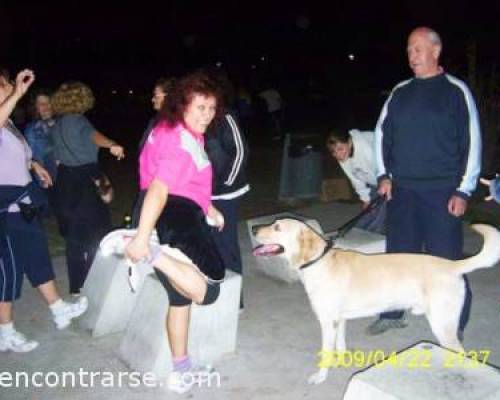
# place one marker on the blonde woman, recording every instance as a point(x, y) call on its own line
point(83, 217)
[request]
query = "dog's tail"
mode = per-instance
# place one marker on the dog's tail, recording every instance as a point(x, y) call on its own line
point(489, 254)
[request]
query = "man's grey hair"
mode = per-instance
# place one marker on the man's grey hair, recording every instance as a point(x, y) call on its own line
point(431, 34)
point(434, 37)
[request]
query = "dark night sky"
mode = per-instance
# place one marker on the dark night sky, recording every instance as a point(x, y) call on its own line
point(129, 46)
point(111, 43)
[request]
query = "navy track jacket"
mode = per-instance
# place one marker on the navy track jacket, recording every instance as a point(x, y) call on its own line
point(428, 135)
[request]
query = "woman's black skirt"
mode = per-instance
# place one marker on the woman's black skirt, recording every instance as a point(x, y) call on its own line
point(182, 225)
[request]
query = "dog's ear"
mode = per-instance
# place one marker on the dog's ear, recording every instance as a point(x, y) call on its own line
point(308, 245)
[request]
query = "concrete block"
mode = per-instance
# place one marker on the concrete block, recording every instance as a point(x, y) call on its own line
point(212, 330)
point(277, 267)
point(107, 286)
point(426, 371)
point(110, 299)
point(362, 241)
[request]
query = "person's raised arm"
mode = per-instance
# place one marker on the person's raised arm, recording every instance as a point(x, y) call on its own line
point(24, 79)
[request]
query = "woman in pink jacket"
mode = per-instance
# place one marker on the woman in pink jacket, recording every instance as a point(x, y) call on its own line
point(176, 184)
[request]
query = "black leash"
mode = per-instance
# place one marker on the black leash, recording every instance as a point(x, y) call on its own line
point(340, 232)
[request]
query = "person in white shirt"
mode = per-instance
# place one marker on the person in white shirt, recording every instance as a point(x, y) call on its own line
point(354, 150)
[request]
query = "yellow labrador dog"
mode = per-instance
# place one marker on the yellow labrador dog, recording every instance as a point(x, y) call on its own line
point(345, 285)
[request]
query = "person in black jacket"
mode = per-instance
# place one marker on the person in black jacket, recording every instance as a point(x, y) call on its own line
point(228, 152)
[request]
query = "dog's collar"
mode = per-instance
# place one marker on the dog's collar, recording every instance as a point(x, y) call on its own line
point(329, 244)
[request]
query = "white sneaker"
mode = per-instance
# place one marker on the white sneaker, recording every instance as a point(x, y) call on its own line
point(63, 317)
point(137, 272)
point(180, 382)
point(17, 343)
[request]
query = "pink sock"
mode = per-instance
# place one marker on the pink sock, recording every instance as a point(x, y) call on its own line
point(182, 364)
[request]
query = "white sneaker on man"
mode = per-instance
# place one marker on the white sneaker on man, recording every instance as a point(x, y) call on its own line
point(16, 342)
point(62, 316)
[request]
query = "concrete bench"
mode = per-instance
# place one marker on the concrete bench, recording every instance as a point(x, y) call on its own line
point(212, 330)
point(362, 241)
point(110, 299)
point(277, 267)
point(447, 376)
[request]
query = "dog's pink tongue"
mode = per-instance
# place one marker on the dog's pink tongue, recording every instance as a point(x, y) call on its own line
point(265, 250)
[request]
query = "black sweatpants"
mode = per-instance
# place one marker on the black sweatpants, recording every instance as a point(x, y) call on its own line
point(227, 240)
point(83, 220)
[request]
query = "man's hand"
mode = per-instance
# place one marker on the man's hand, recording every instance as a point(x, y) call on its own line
point(457, 206)
point(385, 188)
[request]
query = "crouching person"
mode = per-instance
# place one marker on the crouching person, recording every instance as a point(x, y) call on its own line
point(176, 187)
point(354, 150)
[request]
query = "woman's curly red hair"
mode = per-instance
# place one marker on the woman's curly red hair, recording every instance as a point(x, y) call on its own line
point(183, 91)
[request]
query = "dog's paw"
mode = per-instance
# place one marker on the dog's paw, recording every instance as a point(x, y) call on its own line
point(318, 377)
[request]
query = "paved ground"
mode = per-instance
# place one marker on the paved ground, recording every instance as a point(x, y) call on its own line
point(278, 338)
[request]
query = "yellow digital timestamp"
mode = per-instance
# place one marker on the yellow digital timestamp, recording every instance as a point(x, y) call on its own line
point(414, 358)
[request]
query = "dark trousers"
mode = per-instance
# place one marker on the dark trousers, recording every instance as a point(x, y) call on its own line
point(83, 220)
point(227, 240)
point(23, 250)
point(418, 221)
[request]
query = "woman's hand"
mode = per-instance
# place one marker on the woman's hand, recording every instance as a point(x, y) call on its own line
point(137, 249)
point(215, 218)
point(104, 142)
point(154, 202)
point(42, 174)
point(117, 150)
point(24, 79)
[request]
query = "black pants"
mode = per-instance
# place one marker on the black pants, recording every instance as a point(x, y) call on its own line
point(83, 220)
point(227, 240)
point(417, 221)
point(182, 225)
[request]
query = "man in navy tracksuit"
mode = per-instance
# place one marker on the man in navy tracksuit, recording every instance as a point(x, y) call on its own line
point(228, 152)
point(428, 152)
